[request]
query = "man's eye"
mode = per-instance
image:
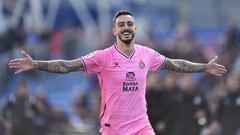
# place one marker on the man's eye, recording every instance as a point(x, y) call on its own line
point(120, 24)
point(130, 24)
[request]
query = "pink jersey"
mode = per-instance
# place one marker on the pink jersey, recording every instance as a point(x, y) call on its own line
point(122, 81)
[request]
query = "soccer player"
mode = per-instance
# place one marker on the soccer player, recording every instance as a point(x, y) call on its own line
point(122, 70)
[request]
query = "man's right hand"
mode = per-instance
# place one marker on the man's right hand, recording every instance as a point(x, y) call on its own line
point(23, 64)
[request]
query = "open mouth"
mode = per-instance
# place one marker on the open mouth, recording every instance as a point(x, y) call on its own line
point(126, 33)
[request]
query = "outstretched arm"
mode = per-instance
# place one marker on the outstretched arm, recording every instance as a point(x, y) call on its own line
point(184, 66)
point(55, 66)
point(59, 66)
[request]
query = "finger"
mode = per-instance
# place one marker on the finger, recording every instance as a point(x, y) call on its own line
point(214, 59)
point(14, 65)
point(218, 74)
point(221, 71)
point(16, 60)
point(25, 54)
point(221, 66)
point(19, 71)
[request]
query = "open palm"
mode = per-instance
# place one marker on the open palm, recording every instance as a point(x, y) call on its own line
point(215, 69)
point(22, 64)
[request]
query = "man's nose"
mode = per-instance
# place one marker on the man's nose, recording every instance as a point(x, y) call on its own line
point(125, 26)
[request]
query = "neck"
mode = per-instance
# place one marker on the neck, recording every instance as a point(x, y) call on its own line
point(127, 49)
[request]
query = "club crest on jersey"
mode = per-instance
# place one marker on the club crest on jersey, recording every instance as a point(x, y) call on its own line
point(90, 55)
point(141, 64)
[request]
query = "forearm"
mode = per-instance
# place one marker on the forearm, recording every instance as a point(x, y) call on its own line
point(184, 66)
point(59, 66)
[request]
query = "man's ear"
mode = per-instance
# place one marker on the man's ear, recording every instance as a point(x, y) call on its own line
point(114, 31)
point(135, 28)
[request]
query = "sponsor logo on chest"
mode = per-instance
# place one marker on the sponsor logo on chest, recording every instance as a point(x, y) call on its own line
point(130, 83)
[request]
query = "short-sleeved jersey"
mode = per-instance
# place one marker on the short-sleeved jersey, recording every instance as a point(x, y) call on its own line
point(122, 82)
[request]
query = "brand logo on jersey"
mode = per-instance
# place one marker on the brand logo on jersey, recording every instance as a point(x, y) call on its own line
point(130, 83)
point(90, 55)
point(141, 64)
point(116, 64)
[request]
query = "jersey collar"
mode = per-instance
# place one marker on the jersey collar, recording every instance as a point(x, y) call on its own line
point(128, 57)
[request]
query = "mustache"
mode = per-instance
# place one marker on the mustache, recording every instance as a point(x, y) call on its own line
point(130, 31)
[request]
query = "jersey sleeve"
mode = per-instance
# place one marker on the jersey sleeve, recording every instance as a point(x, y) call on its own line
point(94, 61)
point(156, 60)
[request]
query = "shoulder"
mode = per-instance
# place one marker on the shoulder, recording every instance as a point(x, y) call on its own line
point(139, 46)
point(109, 49)
point(97, 53)
point(143, 48)
point(147, 50)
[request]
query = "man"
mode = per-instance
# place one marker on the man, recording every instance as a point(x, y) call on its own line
point(122, 70)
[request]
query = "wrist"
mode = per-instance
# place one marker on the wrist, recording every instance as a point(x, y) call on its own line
point(35, 64)
point(206, 68)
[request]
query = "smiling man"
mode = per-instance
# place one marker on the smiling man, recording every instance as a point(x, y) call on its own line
point(122, 71)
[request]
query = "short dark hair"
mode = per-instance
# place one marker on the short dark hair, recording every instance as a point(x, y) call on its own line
point(119, 13)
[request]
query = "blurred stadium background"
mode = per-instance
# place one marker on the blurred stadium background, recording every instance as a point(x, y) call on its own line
point(38, 103)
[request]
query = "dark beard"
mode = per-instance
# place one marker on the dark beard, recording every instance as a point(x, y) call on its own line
point(128, 41)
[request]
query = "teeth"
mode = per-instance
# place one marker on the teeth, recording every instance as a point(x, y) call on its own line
point(126, 33)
